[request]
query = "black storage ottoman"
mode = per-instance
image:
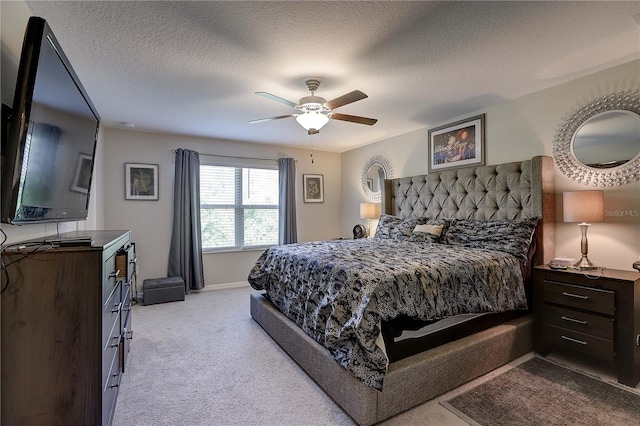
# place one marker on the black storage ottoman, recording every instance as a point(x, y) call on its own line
point(161, 290)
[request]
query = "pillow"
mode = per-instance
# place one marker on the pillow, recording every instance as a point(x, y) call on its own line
point(394, 227)
point(508, 236)
point(430, 231)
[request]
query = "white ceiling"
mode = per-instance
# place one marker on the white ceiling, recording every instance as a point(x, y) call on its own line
point(193, 67)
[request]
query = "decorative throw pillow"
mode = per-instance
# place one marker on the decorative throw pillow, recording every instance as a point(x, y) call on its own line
point(509, 236)
point(430, 231)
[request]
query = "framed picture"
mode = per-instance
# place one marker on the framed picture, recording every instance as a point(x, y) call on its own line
point(141, 181)
point(313, 188)
point(458, 144)
point(82, 177)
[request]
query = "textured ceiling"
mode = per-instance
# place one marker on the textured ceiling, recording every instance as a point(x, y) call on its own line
point(193, 67)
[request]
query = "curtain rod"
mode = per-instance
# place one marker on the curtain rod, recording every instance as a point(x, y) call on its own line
point(235, 156)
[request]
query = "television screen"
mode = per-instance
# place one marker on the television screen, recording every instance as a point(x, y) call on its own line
point(50, 146)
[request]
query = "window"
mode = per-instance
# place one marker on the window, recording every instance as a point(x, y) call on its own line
point(238, 206)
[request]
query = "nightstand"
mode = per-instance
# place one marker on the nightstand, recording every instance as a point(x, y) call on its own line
point(592, 314)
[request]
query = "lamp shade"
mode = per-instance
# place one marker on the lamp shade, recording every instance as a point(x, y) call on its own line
point(312, 120)
point(369, 210)
point(583, 206)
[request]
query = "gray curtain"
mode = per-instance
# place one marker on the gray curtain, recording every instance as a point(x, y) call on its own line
point(288, 225)
point(185, 254)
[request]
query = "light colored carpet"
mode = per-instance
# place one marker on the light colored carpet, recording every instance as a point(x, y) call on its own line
point(205, 361)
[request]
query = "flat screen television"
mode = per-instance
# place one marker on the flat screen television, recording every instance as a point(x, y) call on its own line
point(50, 140)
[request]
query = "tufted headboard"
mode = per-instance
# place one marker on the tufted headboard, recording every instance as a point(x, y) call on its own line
point(516, 190)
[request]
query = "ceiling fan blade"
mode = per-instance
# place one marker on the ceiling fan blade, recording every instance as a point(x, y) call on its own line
point(260, 120)
point(354, 119)
point(356, 95)
point(276, 98)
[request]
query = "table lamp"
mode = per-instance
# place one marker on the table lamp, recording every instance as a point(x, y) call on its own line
point(583, 207)
point(369, 211)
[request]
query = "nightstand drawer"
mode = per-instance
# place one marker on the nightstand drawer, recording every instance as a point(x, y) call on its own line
point(581, 322)
point(590, 299)
point(583, 343)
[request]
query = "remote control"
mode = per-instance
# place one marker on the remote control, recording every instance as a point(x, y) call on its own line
point(57, 239)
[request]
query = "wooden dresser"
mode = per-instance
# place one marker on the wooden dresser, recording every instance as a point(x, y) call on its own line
point(593, 314)
point(66, 325)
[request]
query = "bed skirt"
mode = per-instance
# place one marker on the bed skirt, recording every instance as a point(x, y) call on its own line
point(408, 382)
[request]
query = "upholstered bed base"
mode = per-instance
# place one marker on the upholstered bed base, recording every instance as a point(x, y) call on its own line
point(408, 382)
point(514, 190)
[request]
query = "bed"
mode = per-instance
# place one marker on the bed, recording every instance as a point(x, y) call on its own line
point(370, 381)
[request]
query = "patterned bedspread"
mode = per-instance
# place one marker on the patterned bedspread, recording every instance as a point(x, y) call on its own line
point(339, 291)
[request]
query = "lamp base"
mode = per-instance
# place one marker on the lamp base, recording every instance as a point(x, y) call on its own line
point(585, 264)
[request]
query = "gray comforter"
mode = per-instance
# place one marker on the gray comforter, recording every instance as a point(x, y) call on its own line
point(339, 291)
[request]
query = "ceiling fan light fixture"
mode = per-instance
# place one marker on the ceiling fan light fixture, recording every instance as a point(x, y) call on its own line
point(312, 120)
point(315, 111)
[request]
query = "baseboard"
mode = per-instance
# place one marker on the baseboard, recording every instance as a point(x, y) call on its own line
point(225, 286)
point(210, 287)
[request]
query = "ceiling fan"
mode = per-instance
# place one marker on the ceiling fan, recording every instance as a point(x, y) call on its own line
point(316, 111)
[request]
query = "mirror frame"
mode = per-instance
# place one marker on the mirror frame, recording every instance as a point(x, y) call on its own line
point(381, 161)
point(563, 143)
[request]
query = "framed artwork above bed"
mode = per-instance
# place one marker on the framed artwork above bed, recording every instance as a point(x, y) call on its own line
point(459, 144)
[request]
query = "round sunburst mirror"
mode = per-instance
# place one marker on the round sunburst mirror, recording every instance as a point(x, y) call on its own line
point(374, 172)
point(599, 143)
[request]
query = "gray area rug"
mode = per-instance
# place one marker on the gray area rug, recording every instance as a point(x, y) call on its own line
point(538, 392)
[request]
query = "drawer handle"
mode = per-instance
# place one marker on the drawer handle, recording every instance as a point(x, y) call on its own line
point(582, 342)
point(573, 320)
point(115, 345)
point(577, 296)
point(114, 274)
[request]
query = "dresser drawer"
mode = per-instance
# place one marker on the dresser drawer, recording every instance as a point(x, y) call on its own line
point(111, 316)
point(126, 296)
point(126, 262)
point(131, 261)
point(583, 343)
point(110, 278)
point(590, 299)
point(111, 383)
point(108, 356)
point(581, 322)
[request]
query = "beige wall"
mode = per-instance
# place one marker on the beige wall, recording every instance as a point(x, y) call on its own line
point(150, 221)
point(517, 130)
